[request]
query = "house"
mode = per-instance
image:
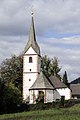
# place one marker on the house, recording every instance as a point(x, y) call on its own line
point(61, 88)
point(36, 85)
point(75, 88)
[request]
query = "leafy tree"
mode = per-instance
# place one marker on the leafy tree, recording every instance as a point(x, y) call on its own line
point(45, 65)
point(65, 79)
point(50, 66)
point(55, 66)
point(2, 91)
point(10, 97)
point(11, 70)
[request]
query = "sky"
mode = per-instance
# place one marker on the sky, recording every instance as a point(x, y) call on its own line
point(57, 25)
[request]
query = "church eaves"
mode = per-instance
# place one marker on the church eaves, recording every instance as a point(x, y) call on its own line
point(32, 39)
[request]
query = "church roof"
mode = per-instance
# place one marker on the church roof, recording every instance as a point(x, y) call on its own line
point(56, 82)
point(41, 83)
point(32, 39)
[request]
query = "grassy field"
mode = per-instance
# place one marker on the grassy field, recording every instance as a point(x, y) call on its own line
point(72, 113)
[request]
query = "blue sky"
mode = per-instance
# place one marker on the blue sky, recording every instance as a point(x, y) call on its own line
point(57, 24)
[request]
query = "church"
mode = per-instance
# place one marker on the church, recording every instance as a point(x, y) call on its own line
point(36, 85)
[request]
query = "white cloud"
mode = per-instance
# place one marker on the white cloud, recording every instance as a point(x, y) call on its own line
point(54, 16)
point(69, 56)
point(10, 45)
point(51, 17)
point(73, 40)
point(69, 59)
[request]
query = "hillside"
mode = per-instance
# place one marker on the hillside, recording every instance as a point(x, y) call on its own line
point(76, 81)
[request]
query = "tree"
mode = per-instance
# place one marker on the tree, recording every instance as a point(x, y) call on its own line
point(65, 79)
point(50, 66)
point(11, 71)
point(2, 91)
point(10, 97)
point(55, 69)
point(45, 65)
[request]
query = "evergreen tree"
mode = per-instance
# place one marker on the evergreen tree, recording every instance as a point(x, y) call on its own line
point(65, 79)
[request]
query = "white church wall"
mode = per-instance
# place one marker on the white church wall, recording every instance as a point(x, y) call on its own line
point(33, 96)
point(30, 70)
point(65, 92)
point(28, 80)
point(56, 95)
point(30, 51)
point(36, 61)
point(49, 96)
point(30, 67)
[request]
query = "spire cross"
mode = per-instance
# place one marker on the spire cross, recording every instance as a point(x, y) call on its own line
point(32, 11)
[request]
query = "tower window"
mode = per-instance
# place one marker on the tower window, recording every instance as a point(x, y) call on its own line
point(30, 69)
point(30, 59)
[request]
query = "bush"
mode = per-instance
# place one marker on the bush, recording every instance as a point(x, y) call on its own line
point(56, 104)
point(71, 102)
point(42, 106)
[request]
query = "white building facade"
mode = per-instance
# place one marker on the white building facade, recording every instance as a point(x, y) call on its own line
point(31, 62)
point(35, 82)
point(66, 92)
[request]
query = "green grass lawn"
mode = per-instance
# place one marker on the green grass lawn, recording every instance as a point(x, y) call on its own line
point(72, 113)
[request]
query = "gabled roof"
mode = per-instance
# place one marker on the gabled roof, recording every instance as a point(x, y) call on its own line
point(41, 83)
point(56, 82)
point(32, 39)
point(75, 89)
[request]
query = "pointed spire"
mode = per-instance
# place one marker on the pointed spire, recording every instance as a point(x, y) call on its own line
point(32, 38)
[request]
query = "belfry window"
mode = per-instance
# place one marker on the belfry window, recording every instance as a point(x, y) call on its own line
point(30, 59)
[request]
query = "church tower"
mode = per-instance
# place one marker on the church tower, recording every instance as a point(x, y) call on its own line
point(31, 62)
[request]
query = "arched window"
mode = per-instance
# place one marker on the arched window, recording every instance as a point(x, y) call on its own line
point(30, 59)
